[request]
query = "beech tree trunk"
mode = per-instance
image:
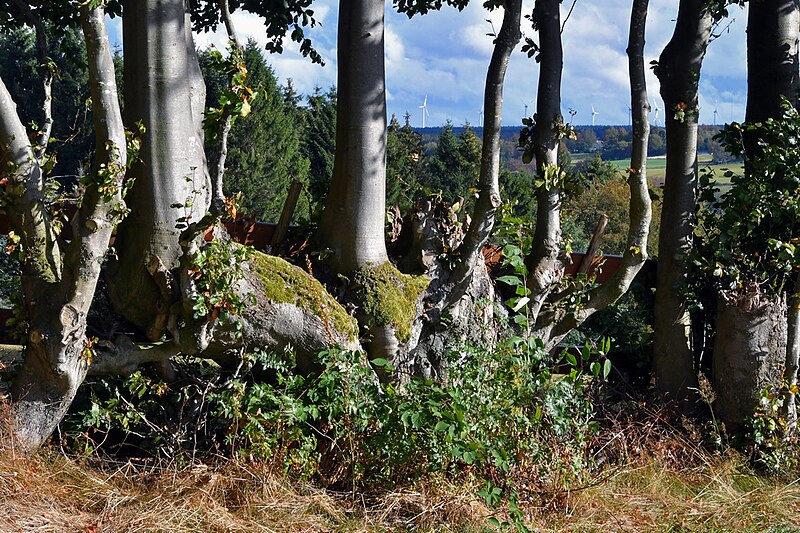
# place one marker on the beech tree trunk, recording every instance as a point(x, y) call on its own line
point(56, 303)
point(455, 292)
point(678, 70)
point(165, 91)
point(749, 353)
point(772, 74)
point(792, 355)
point(355, 211)
point(772, 57)
point(483, 215)
point(545, 268)
point(554, 323)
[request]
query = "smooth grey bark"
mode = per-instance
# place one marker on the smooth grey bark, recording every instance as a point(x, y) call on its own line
point(772, 64)
point(55, 363)
point(483, 215)
point(678, 70)
point(353, 220)
point(749, 351)
point(164, 90)
point(454, 290)
point(792, 355)
point(772, 57)
point(550, 326)
point(545, 268)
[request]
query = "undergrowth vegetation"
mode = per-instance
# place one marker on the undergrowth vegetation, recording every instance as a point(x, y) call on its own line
point(508, 423)
point(644, 470)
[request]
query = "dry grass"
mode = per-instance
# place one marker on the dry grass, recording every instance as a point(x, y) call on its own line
point(655, 479)
point(50, 492)
point(721, 496)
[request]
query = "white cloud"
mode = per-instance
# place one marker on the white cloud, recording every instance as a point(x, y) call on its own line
point(445, 55)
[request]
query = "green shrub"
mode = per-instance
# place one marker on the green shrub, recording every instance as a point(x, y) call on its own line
point(507, 419)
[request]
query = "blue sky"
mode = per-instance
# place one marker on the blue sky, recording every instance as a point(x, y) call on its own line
point(444, 55)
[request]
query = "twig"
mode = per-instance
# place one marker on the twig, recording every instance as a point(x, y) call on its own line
point(564, 24)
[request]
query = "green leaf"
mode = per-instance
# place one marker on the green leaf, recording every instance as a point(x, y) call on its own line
point(522, 302)
point(510, 280)
point(571, 359)
point(442, 426)
point(606, 368)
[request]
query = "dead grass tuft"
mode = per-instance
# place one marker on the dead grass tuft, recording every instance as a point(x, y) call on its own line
point(50, 492)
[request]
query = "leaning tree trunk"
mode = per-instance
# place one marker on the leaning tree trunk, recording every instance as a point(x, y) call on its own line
point(163, 91)
point(678, 70)
point(57, 303)
point(749, 352)
point(455, 290)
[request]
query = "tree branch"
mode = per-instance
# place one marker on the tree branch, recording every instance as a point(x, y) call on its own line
point(102, 206)
point(47, 76)
point(25, 195)
point(217, 194)
point(483, 215)
point(640, 209)
point(124, 357)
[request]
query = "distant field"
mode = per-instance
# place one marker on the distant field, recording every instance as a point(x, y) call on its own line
point(656, 168)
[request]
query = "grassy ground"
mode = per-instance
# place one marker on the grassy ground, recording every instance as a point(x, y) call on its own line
point(657, 167)
point(657, 483)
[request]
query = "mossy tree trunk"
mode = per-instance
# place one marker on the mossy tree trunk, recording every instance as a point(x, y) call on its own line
point(57, 296)
point(352, 225)
point(151, 279)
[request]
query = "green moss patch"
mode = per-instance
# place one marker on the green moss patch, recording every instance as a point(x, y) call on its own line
point(285, 283)
point(389, 297)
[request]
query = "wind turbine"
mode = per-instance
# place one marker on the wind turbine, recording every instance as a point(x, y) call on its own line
point(424, 108)
point(655, 117)
point(526, 108)
point(594, 114)
point(480, 117)
point(715, 113)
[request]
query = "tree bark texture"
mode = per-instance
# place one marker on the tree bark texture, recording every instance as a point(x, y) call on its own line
point(749, 353)
point(483, 215)
point(678, 71)
point(552, 328)
point(772, 57)
point(56, 360)
point(353, 220)
point(792, 354)
point(165, 91)
point(545, 269)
